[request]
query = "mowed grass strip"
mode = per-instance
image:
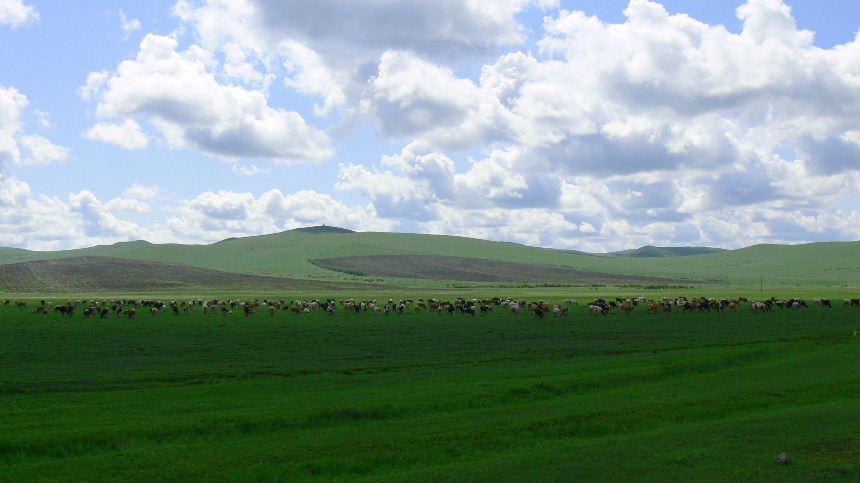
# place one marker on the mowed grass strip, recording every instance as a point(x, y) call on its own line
point(419, 397)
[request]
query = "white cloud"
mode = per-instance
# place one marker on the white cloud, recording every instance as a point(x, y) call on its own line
point(42, 151)
point(13, 192)
point(44, 119)
point(127, 205)
point(94, 83)
point(128, 25)
point(415, 98)
point(142, 192)
point(449, 28)
point(52, 223)
point(179, 95)
point(12, 103)
point(646, 127)
point(126, 134)
point(249, 169)
point(36, 149)
point(214, 216)
point(17, 13)
point(329, 48)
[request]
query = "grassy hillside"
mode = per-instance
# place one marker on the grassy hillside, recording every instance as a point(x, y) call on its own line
point(287, 254)
point(117, 275)
point(438, 267)
point(651, 251)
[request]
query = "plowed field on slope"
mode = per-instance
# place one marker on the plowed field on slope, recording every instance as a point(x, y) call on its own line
point(112, 275)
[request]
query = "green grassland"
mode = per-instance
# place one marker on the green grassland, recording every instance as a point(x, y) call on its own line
point(423, 397)
point(288, 254)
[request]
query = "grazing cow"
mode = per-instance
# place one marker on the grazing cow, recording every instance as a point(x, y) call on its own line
point(596, 310)
point(760, 307)
point(65, 309)
point(153, 312)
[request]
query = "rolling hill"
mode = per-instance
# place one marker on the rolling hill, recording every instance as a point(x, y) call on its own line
point(289, 254)
point(93, 274)
point(438, 267)
point(651, 251)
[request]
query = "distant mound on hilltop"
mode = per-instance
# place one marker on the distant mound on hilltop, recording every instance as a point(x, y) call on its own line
point(653, 252)
point(322, 229)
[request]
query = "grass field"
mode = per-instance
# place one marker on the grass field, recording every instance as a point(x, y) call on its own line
point(422, 397)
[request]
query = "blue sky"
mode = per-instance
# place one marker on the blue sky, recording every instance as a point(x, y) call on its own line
point(592, 125)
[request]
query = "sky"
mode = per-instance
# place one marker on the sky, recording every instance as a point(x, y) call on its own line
point(592, 125)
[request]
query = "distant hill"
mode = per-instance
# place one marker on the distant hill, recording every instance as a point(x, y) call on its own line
point(118, 275)
point(652, 251)
point(322, 229)
point(288, 254)
point(438, 267)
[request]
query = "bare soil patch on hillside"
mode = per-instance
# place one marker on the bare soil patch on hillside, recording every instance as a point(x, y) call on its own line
point(436, 267)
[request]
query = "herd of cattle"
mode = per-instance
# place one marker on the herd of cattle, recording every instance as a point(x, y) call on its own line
point(472, 307)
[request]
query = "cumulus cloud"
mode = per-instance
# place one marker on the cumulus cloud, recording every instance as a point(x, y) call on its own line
point(177, 93)
point(16, 13)
point(213, 216)
point(415, 98)
point(128, 25)
point(449, 28)
point(330, 48)
point(12, 103)
point(126, 134)
point(52, 223)
point(16, 146)
point(660, 124)
point(142, 192)
point(42, 151)
point(13, 192)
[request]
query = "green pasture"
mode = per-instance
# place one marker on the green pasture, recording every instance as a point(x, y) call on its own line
point(424, 397)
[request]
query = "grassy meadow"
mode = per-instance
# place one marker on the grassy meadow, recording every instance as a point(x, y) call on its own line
point(423, 397)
